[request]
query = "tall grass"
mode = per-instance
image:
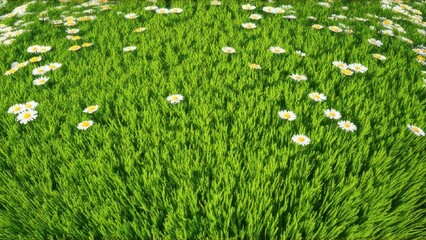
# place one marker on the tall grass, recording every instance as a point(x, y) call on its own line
point(220, 164)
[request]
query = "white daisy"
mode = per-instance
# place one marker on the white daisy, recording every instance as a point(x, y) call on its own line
point(340, 65)
point(318, 97)
point(254, 66)
point(129, 48)
point(277, 50)
point(175, 10)
point(31, 105)
point(357, 67)
point(162, 11)
point(347, 72)
point(300, 53)
point(317, 26)
point(299, 77)
point(33, 49)
point(44, 49)
point(35, 59)
point(249, 25)
point(375, 42)
point(301, 139)
point(287, 115)
point(131, 16)
point(26, 116)
point(151, 8)
point(85, 125)
point(228, 50)
point(72, 30)
point(139, 29)
point(416, 130)
point(333, 114)
point(215, 3)
point(248, 7)
point(41, 70)
point(379, 56)
point(335, 29)
point(74, 48)
point(91, 109)
point(255, 16)
point(54, 66)
point(17, 108)
point(175, 98)
point(346, 125)
point(11, 71)
point(40, 81)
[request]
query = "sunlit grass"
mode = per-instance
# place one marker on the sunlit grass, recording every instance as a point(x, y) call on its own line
point(187, 140)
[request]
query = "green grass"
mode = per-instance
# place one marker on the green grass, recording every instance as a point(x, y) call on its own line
point(220, 164)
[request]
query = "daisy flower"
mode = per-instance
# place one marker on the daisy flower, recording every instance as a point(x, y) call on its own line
point(332, 114)
point(416, 130)
point(254, 66)
point(139, 29)
point(86, 44)
point(17, 108)
point(318, 97)
point(31, 105)
point(74, 48)
point(175, 98)
point(91, 109)
point(375, 42)
point(346, 125)
point(277, 50)
point(54, 66)
point(33, 49)
point(44, 49)
point(301, 139)
point(105, 8)
point(73, 30)
point(340, 65)
point(300, 53)
point(249, 25)
point(248, 7)
point(290, 17)
point(335, 29)
point(379, 56)
point(299, 77)
point(74, 38)
point(70, 23)
point(162, 11)
point(313, 19)
point(269, 9)
point(40, 81)
point(255, 16)
point(85, 125)
point(129, 48)
point(10, 71)
point(151, 8)
point(228, 50)
point(287, 115)
point(215, 3)
point(357, 67)
point(175, 10)
point(131, 16)
point(317, 26)
point(41, 70)
point(347, 72)
point(35, 59)
point(26, 116)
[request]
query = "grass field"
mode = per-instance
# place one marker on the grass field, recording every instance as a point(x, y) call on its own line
point(204, 130)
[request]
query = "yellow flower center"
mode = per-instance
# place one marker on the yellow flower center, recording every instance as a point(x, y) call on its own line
point(91, 108)
point(28, 105)
point(286, 115)
point(40, 70)
point(41, 81)
point(175, 98)
point(416, 130)
point(301, 139)
point(85, 124)
point(332, 114)
point(26, 115)
point(347, 125)
point(17, 108)
point(347, 72)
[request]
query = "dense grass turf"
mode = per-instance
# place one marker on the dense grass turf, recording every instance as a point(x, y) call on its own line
point(221, 163)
